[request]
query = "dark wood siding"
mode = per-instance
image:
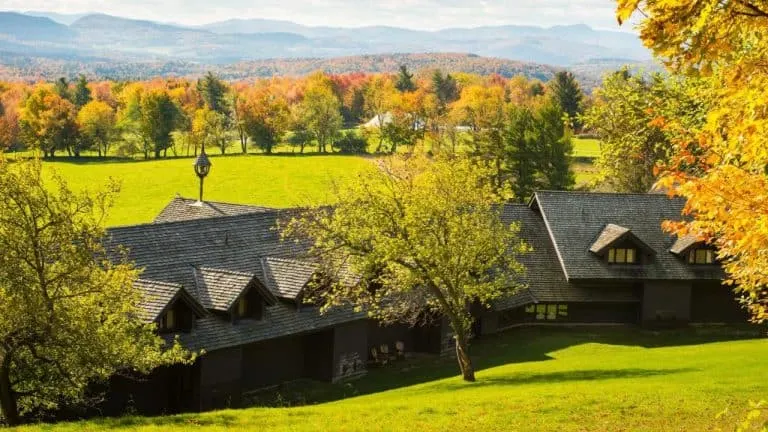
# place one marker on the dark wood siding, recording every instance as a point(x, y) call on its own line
point(574, 313)
point(221, 378)
point(714, 303)
point(318, 356)
point(666, 303)
point(167, 390)
point(350, 348)
point(272, 362)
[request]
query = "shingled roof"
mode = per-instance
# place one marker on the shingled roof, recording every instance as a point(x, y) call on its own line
point(181, 209)
point(684, 244)
point(156, 297)
point(229, 247)
point(219, 289)
point(287, 277)
point(544, 280)
point(576, 219)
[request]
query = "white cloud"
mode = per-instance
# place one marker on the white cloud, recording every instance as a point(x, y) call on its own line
point(421, 14)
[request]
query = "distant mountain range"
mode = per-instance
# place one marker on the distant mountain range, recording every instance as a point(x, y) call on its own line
point(103, 38)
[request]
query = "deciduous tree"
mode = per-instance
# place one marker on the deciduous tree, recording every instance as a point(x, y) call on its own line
point(48, 122)
point(320, 111)
point(404, 227)
point(209, 130)
point(158, 117)
point(722, 169)
point(631, 144)
point(96, 121)
point(68, 314)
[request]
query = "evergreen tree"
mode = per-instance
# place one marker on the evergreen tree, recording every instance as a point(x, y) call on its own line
point(61, 88)
point(213, 91)
point(567, 92)
point(405, 80)
point(556, 147)
point(445, 88)
point(522, 151)
point(82, 93)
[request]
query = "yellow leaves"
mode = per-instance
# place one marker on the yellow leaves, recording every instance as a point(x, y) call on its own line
point(625, 9)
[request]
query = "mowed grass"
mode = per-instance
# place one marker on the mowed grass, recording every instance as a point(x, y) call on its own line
point(272, 181)
point(617, 379)
point(586, 148)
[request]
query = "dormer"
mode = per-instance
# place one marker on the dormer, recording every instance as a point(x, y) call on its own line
point(288, 278)
point(170, 306)
point(232, 294)
point(694, 250)
point(618, 245)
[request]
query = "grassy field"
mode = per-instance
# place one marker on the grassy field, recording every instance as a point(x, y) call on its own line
point(283, 180)
point(586, 148)
point(273, 181)
point(531, 380)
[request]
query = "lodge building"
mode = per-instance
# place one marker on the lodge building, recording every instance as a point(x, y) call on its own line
point(219, 277)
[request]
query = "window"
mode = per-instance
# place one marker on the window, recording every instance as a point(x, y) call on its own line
point(701, 256)
point(547, 312)
point(622, 256)
point(242, 308)
point(168, 320)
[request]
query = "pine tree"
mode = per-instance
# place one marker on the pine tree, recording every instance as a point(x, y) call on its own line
point(567, 92)
point(405, 80)
point(82, 93)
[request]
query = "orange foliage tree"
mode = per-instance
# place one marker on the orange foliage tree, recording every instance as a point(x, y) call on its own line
point(723, 170)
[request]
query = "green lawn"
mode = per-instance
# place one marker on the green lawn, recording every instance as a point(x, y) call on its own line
point(616, 379)
point(586, 147)
point(274, 181)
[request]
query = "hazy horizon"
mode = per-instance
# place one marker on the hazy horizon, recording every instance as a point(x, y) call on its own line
point(598, 14)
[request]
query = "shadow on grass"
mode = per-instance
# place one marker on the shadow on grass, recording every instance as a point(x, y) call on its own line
point(94, 160)
point(520, 345)
point(561, 377)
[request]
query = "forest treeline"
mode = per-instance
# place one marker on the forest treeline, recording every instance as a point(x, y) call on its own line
point(522, 125)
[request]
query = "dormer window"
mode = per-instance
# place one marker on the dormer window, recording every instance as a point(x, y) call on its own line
point(619, 245)
point(167, 321)
point(701, 256)
point(622, 256)
point(250, 306)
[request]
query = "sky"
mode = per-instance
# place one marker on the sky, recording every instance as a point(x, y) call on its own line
point(416, 14)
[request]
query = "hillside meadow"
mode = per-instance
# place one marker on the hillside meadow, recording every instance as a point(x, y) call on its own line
point(597, 379)
point(271, 181)
point(280, 180)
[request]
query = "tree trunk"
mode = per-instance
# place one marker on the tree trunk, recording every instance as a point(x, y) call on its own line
point(462, 355)
point(8, 403)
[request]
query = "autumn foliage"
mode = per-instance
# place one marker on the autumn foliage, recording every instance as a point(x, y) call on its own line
point(721, 169)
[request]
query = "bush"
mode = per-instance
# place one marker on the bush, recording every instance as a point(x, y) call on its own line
point(350, 143)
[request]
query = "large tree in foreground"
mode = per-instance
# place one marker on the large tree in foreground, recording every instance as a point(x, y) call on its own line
point(67, 314)
point(426, 236)
point(722, 169)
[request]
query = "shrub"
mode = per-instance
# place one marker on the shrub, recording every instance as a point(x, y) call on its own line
point(350, 143)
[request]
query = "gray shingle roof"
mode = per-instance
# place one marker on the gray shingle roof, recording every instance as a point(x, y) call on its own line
point(181, 209)
point(287, 277)
point(544, 280)
point(219, 289)
point(157, 296)
point(229, 247)
point(576, 219)
point(684, 244)
point(281, 320)
point(610, 234)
